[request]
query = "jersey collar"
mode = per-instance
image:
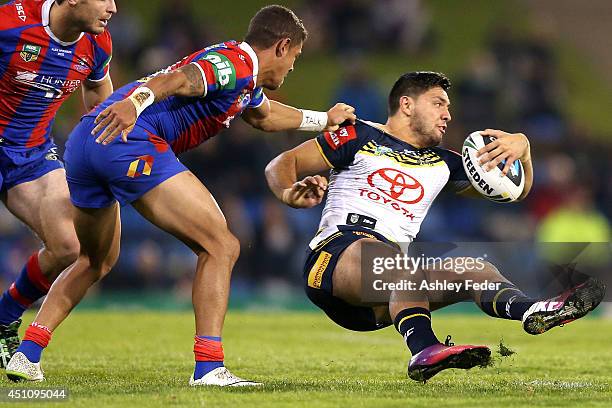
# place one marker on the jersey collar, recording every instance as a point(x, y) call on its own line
point(249, 50)
point(46, 11)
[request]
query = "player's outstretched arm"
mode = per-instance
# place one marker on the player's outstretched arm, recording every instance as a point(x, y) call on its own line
point(273, 116)
point(283, 172)
point(96, 92)
point(120, 117)
point(509, 147)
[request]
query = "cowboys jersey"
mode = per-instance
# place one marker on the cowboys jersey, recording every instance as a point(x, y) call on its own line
point(380, 182)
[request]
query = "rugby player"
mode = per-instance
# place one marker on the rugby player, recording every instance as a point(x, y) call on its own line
point(383, 180)
point(173, 111)
point(48, 49)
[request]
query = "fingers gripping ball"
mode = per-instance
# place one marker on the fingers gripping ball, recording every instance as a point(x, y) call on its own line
point(491, 184)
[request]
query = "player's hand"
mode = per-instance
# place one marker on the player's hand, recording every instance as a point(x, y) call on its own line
point(507, 146)
point(338, 114)
point(306, 193)
point(119, 118)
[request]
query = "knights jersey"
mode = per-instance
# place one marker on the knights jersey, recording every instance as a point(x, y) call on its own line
point(229, 71)
point(381, 182)
point(38, 72)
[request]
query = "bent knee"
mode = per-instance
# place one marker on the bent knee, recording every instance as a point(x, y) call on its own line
point(97, 266)
point(223, 245)
point(63, 252)
point(94, 268)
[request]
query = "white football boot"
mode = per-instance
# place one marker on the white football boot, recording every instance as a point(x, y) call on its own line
point(20, 368)
point(221, 377)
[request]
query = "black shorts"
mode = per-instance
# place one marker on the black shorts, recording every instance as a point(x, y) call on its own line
point(319, 269)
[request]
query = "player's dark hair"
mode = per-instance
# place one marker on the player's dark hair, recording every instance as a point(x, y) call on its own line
point(273, 23)
point(59, 1)
point(414, 84)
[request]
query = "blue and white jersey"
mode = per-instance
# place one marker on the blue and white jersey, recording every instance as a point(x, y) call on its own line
point(382, 182)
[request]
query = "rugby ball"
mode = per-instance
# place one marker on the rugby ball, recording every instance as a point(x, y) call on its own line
point(491, 184)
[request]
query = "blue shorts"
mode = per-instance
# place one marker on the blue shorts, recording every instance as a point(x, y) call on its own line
point(21, 166)
point(100, 174)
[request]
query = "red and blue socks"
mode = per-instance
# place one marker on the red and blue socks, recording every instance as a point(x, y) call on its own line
point(35, 340)
point(208, 352)
point(29, 286)
point(505, 302)
point(414, 324)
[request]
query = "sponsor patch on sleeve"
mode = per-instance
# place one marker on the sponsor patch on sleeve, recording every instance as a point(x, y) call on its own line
point(224, 70)
point(340, 137)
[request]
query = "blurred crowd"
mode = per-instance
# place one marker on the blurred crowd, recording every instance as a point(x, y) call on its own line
point(512, 83)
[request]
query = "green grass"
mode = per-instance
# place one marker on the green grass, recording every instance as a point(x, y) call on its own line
point(145, 359)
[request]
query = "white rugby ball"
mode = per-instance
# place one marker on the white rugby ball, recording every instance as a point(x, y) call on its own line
point(491, 184)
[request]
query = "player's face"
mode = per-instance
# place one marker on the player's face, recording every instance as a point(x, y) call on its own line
point(430, 116)
point(283, 66)
point(92, 15)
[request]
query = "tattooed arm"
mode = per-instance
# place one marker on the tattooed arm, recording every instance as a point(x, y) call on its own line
point(120, 117)
point(185, 81)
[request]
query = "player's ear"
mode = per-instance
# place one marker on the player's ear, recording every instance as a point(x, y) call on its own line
point(282, 47)
point(406, 104)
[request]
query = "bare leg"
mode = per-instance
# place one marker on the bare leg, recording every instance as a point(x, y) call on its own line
point(410, 311)
point(347, 279)
point(44, 206)
point(183, 207)
point(347, 283)
point(99, 231)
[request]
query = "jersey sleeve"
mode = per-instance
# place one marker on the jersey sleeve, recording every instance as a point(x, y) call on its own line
point(10, 26)
point(103, 52)
point(340, 147)
point(221, 72)
point(6, 18)
point(458, 180)
point(258, 98)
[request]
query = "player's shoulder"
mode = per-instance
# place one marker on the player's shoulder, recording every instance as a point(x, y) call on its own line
point(233, 58)
point(228, 49)
point(374, 133)
point(243, 58)
point(352, 136)
point(16, 13)
point(102, 41)
point(446, 153)
point(451, 157)
point(368, 128)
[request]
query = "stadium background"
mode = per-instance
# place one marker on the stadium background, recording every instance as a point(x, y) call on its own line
point(515, 65)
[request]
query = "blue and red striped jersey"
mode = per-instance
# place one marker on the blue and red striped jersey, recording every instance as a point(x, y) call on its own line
point(38, 72)
point(230, 72)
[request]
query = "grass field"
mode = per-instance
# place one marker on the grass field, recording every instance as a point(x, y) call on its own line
point(145, 359)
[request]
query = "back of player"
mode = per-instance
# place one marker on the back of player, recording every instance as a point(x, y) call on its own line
point(128, 170)
point(229, 71)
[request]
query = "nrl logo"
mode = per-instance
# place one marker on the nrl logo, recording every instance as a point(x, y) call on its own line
point(382, 150)
point(29, 52)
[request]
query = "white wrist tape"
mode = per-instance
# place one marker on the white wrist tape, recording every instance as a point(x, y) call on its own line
point(313, 121)
point(142, 98)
